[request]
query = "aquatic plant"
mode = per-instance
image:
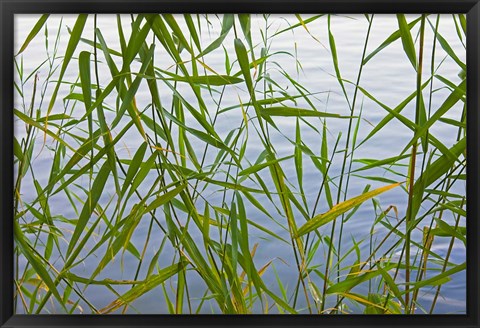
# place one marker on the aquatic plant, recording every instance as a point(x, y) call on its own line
point(146, 169)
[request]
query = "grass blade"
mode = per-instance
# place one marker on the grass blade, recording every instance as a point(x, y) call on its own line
point(38, 26)
point(322, 219)
point(407, 40)
point(142, 288)
point(72, 45)
point(89, 206)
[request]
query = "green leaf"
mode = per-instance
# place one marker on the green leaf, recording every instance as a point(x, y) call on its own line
point(162, 199)
point(350, 282)
point(144, 287)
point(450, 52)
point(392, 38)
point(407, 40)
point(451, 100)
point(227, 23)
point(245, 23)
point(333, 48)
point(104, 282)
point(376, 163)
point(84, 69)
point(392, 113)
point(178, 31)
point(448, 229)
point(17, 149)
point(135, 43)
point(134, 166)
point(28, 120)
point(192, 30)
point(438, 279)
point(35, 260)
point(38, 26)
point(90, 204)
point(242, 57)
point(392, 285)
point(213, 80)
point(128, 103)
point(433, 172)
point(443, 233)
point(258, 167)
point(142, 173)
point(234, 236)
point(339, 209)
point(71, 47)
point(298, 112)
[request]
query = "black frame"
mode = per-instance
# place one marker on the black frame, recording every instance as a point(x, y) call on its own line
point(10, 7)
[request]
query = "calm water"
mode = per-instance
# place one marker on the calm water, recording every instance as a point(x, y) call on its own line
point(389, 76)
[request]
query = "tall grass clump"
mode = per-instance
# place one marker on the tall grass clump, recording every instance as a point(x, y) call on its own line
point(243, 163)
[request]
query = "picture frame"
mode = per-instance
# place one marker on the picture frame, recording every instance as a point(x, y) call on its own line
point(8, 8)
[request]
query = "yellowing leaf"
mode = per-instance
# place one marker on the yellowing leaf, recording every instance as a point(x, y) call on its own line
point(339, 209)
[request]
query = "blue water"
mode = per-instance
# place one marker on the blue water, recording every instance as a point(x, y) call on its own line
point(389, 77)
